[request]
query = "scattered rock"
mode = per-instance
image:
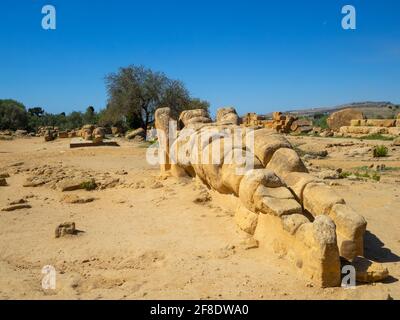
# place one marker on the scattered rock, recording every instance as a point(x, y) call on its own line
point(34, 182)
point(16, 207)
point(227, 116)
point(368, 271)
point(326, 134)
point(329, 174)
point(396, 142)
point(21, 133)
point(108, 183)
point(72, 184)
point(121, 172)
point(74, 199)
point(64, 229)
point(19, 201)
point(318, 153)
point(250, 243)
point(202, 197)
point(157, 185)
point(3, 182)
point(139, 185)
point(50, 135)
point(4, 175)
point(133, 134)
point(17, 164)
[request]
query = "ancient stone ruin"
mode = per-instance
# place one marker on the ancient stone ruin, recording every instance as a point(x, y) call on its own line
point(279, 122)
point(278, 202)
point(362, 127)
point(353, 123)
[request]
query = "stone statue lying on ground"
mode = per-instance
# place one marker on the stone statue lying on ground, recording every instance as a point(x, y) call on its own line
point(281, 204)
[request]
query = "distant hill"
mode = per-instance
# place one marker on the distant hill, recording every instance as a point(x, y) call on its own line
point(372, 110)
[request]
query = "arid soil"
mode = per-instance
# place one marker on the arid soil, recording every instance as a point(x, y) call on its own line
point(145, 237)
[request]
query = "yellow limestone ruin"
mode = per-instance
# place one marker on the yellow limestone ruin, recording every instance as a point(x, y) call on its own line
point(279, 203)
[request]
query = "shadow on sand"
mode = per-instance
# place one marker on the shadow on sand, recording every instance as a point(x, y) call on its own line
point(374, 249)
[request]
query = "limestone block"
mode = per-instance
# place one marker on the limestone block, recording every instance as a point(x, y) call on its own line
point(291, 223)
point(318, 199)
point(246, 219)
point(351, 228)
point(265, 144)
point(227, 115)
point(252, 180)
point(297, 181)
point(286, 160)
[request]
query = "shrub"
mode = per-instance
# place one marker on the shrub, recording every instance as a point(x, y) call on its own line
point(321, 121)
point(380, 151)
point(89, 185)
point(376, 137)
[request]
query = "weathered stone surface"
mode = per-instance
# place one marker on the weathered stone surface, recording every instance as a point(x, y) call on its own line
point(162, 119)
point(232, 172)
point(72, 184)
point(286, 160)
point(297, 181)
point(364, 130)
point(251, 181)
point(394, 131)
point(280, 207)
point(133, 134)
point(303, 126)
point(246, 219)
point(193, 116)
point(291, 223)
point(328, 174)
point(116, 130)
point(21, 133)
point(266, 143)
point(64, 229)
point(348, 222)
point(351, 228)
point(16, 207)
point(318, 199)
point(387, 123)
point(368, 271)
point(343, 118)
point(227, 116)
point(99, 134)
point(34, 182)
point(396, 142)
point(63, 134)
point(3, 182)
point(75, 199)
point(49, 135)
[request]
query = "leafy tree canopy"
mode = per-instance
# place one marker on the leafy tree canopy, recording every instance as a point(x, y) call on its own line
point(135, 93)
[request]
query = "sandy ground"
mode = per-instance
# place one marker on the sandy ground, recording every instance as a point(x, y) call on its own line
point(148, 238)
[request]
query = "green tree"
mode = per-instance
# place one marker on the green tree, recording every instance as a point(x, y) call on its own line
point(89, 116)
point(13, 115)
point(75, 120)
point(136, 92)
point(38, 112)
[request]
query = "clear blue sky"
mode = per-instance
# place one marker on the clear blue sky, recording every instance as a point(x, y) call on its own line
point(255, 55)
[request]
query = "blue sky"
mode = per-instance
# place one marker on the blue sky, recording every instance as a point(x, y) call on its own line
point(258, 56)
